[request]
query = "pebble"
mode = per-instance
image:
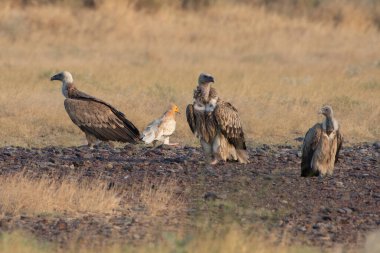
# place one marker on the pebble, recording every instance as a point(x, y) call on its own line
point(376, 144)
point(210, 196)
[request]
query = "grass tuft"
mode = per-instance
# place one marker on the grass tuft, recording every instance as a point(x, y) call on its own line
point(20, 194)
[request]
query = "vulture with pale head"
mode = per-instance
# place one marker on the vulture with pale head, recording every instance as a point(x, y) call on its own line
point(321, 146)
point(162, 128)
point(216, 124)
point(97, 119)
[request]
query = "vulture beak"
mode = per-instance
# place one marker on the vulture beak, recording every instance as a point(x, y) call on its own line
point(211, 79)
point(55, 77)
point(320, 111)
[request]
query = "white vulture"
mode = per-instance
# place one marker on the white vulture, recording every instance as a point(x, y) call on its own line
point(216, 124)
point(161, 129)
point(96, 118)
point(321, 146)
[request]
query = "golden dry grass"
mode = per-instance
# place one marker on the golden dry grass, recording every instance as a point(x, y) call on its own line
point(20, 194)
point(276, 70)
point(159, 196)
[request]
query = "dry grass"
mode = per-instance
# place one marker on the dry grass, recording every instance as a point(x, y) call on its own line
point(20, 194)
point(276, 70)
point(158, 196)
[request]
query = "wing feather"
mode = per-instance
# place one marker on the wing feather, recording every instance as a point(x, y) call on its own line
point(309, 146)
point(101, 120)
point(190, 117)
point(228, 122)
point(340, 140)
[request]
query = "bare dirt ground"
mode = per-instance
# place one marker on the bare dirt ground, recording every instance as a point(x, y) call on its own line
point(266, 194)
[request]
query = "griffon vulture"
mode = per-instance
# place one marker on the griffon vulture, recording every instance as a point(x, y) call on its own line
point(216, 124)
point(161, 129)
point(96, 118)
point(321, 146)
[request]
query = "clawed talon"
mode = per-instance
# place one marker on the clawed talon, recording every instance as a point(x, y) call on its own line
point(214, 162)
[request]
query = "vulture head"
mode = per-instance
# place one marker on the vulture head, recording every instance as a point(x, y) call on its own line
point(67, 80)
point(174, 108)
point(63, 76)
point(205, 79)
point(326, 111)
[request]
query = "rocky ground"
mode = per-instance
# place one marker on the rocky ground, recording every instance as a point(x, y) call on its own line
point(268, 193)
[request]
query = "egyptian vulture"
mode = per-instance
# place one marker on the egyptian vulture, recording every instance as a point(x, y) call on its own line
point(96, 118)
point(161, 129)
point(321, 146)
point(216, 124)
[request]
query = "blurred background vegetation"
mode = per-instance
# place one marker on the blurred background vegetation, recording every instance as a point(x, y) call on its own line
point(277, 61)
point(335, 11)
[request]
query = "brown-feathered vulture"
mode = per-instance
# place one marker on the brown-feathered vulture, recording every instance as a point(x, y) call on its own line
point(216, 124)
point(162, 128)
point(97, 119)
point(321, 146)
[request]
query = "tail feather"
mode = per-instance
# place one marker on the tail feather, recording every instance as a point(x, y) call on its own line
point(242, 155)
point(148, 136)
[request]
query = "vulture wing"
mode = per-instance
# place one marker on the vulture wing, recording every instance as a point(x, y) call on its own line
point(340, 140)
point(228, 122)
point(191, 118)
point(151, 131)
point(99, 118)
point(309, 146)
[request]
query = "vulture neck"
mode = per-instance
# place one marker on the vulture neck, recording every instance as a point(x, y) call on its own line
point(205, 89)
point(65, 88)
point(330, 124)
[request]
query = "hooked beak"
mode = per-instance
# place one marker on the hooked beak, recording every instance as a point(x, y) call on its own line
point(211, 80)
point(320, 112)
point(55, 77)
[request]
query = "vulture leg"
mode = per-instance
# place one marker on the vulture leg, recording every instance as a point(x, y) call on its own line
point(207, 148)
point(91, 140)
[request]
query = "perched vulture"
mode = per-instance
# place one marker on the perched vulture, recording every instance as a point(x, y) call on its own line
point(96, 118)
point(216, 124)
point(321, 146)
point(161, 129)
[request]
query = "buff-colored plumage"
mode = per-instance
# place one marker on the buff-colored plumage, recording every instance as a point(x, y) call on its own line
point(216, 123)
point(161, 129)
point(321, 146)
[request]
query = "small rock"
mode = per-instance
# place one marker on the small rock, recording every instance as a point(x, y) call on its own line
point(210, 196)
point(61, 225)
point(339, 184)
point(109, 166)
point(326, 218)
point(376, 145)
point(347, 210)
point(303, 229)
